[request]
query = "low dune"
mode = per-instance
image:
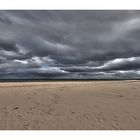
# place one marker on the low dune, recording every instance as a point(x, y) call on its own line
point(91, 105)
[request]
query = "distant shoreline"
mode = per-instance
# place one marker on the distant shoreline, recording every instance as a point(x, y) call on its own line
point(62, 80)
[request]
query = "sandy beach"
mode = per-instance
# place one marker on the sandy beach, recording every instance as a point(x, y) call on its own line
point(92, 105)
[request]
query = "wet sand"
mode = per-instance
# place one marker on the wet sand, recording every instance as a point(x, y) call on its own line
point(92, 105)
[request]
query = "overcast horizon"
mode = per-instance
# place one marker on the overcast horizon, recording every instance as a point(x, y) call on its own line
point(69, 44)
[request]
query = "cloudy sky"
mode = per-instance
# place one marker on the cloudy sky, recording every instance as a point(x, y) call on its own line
point(69, 44)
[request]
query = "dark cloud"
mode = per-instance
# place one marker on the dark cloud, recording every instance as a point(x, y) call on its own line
point(8, 45)
point(69, 44)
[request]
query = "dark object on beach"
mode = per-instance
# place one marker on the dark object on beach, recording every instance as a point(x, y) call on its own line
point(16, 108)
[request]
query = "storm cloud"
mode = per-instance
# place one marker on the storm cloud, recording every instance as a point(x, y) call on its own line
point(72, 44)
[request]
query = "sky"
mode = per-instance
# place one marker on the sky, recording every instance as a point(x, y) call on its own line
point(69, 44)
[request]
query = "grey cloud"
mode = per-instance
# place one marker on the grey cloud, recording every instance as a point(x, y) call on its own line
point(132, 63)
point(8, 45)
point(69, 44)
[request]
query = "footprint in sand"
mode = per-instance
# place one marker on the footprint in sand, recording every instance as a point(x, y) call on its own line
point(29, 97)
point(56, 98)
point(16, 108)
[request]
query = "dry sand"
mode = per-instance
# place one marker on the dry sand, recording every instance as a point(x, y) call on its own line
point(70, 105)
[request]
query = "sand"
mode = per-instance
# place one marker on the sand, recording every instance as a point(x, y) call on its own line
point(97, 105)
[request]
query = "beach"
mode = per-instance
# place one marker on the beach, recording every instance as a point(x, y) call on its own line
point(81, 105)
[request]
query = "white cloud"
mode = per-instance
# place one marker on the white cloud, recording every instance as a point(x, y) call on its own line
point(22, 61)
point(119, 61)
